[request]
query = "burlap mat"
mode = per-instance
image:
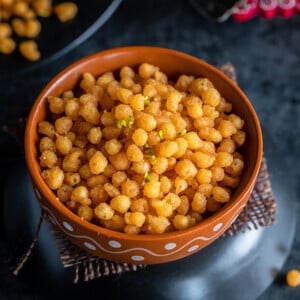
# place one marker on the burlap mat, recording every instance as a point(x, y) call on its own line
point(260, 211)
point(86, 266)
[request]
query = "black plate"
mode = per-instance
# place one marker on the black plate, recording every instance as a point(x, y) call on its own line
point(57, 38)
point(238, 267)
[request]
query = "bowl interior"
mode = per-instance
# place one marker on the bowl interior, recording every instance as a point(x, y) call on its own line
point(173, 63)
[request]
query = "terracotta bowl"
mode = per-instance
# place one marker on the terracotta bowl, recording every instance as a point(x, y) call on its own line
point(145, 249)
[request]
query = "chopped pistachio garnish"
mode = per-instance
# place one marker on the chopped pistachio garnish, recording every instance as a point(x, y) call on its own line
point(152, 159)
point(125, 122)
point(130, 121)
point(147, 177)
point(183, 132)
point(147, 100)
point(151, 155)
point(121, 123)
point(149, 152)
point(161, 135)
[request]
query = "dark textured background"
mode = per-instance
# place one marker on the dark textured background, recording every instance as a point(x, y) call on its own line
point(266, 54)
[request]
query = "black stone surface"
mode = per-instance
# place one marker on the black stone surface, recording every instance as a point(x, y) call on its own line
point(266, 54)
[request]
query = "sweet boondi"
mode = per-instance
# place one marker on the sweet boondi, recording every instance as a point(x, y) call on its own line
point(137, 153)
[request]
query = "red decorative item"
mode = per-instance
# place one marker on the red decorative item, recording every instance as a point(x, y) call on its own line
point(248, 9)
point(268, 8)
point(287, 7)
point(298, 6)
point(245, 10)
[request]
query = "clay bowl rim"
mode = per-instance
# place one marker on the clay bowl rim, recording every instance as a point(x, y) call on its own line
point(33, 166)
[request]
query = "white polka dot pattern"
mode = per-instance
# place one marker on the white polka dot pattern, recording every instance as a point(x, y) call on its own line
point(193, 248)
point(89, 246)
point(170, 246)
point(218, 227)
point(114, 244)
point(137, 258)
point(68, 226)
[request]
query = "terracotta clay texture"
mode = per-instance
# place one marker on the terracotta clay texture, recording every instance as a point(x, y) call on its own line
point(145, 249)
